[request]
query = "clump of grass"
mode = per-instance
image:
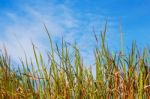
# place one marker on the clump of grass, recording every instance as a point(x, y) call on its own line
point(117, 75)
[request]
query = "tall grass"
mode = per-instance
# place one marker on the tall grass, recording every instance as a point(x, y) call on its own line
point(117, 75)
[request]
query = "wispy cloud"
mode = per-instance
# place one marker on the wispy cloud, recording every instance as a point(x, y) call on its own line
point(27, 25)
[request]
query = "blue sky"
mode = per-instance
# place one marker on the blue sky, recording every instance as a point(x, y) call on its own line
point(74, 20)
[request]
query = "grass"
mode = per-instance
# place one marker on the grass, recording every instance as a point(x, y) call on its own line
point(117, 75)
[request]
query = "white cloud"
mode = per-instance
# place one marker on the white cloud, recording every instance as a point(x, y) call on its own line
point(30, 27)
point(60, 21)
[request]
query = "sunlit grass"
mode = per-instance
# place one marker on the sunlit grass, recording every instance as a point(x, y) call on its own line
point(118, 75)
